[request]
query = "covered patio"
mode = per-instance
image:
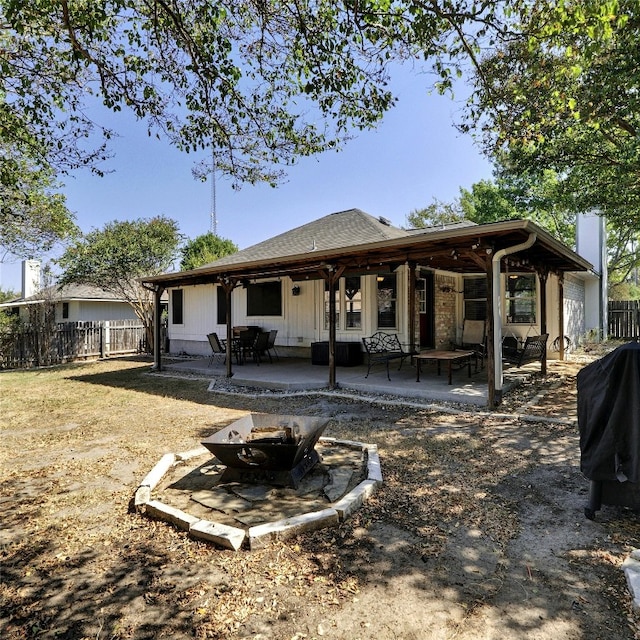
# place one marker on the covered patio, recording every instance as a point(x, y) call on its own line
point(489, 249)
point(299, 375)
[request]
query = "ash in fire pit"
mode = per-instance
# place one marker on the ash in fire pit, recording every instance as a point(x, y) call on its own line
point(265, 448)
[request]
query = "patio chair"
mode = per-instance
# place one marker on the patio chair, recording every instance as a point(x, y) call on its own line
point(259, 347)
point(271, 345)
point(474, 338)
point(217, 347)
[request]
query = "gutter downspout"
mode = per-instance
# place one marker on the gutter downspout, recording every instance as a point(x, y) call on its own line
point(497, 315)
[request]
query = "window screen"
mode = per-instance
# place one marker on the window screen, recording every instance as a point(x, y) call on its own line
point(176, 306)
point(221, 306)
point(264, 299)
point(475, 298)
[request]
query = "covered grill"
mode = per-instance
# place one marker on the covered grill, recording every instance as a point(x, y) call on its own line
point(609, 423)
point(276, 449)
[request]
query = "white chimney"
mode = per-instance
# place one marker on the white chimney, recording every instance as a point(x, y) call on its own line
point(591, 244)
point(30, 277)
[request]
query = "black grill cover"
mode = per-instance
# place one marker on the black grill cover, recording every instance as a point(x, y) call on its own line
point(609, 416)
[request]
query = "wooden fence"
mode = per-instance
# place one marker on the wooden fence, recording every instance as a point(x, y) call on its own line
point(624, 319)
point(69, 341)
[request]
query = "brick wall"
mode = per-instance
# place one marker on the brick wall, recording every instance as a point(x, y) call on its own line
point(445, 311)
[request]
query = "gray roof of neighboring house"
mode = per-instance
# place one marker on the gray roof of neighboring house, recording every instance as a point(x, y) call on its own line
point(341, 229)
point(68, 292)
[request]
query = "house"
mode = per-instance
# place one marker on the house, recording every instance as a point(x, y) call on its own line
point(347, 275)
point(73, 303)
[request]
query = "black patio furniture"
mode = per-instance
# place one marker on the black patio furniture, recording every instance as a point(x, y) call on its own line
point(271, 345)
point(217, 347)
point(381, 348)
point(258, 348)
point(534, 348)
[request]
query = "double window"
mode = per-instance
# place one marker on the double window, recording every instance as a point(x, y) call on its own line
point(520, 298)
point(348, 298)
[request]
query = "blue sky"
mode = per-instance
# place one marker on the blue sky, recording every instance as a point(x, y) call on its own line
point(414, 156)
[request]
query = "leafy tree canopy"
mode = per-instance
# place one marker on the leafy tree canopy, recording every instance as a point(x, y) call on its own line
point(33, 214)
point(204, 249)
point(117, 255)
point(436, 214)
point(564, 94)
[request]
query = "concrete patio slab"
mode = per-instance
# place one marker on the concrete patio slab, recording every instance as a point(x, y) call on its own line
point(292, 374)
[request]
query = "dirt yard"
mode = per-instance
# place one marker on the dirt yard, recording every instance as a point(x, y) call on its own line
point(478, 532)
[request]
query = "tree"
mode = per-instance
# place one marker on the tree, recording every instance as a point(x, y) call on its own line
point(436, 214)
point(512, 196)
point(7, 294)
point(246, 78)
point(115, 257)
point(564, 94)
point(33, 215)
point(204, 249)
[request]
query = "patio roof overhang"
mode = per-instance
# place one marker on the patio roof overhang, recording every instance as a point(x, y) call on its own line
point(460, 250)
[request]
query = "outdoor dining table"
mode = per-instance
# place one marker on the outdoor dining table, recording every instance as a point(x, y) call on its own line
point(450, 357)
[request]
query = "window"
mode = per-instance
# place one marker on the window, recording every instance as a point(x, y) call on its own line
point(520, 298)
point(221, 306)
point(176, 306)
point(475, 298)
point(65, 310)
point(353, 302)
point(387, 299)
point(264, 299)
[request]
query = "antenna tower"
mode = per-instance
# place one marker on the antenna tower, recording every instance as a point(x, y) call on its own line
point(214, 215)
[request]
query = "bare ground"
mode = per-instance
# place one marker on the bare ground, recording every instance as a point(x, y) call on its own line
point(477, 533)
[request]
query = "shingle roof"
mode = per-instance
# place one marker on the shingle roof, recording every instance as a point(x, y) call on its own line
point(69, 292)
point(341, 229)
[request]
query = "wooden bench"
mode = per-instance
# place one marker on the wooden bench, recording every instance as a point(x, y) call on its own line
point(381, 348)
point(533, 349)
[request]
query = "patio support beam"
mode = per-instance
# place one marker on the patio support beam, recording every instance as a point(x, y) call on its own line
point(157, 328)
point(412, 307)
point(332, 277)
point(497, 312)
point(561, 314)
point(543, 274)
point(492, 401)
point(228, 286)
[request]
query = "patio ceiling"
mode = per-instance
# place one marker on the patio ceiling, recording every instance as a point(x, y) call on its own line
point(460, 250)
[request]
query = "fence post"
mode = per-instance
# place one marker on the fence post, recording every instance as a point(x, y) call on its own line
point(107, 339)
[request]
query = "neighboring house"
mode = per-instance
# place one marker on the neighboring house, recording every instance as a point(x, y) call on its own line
point(74, 303)
point(420, 284)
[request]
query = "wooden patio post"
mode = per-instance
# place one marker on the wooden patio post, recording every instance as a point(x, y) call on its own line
point(157, 329)
point(561, 314)
point(412, 306)
point(228, 286)
point(332, 330)
point(492, 399)
point(543, 274)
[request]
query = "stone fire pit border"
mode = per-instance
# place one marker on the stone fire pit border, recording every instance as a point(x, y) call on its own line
point(260, 535)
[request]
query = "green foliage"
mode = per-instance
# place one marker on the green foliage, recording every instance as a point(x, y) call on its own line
point(205, 249)
point(115, 257)
point(7, 294)
point(33, 215)
point(261, 83)
point(436, 214)
point(563, 93)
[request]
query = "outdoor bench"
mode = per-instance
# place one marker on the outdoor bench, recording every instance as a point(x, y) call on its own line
point(533, 349)
point(381, 348)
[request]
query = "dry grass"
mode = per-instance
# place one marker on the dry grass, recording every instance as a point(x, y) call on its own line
point(77, 563)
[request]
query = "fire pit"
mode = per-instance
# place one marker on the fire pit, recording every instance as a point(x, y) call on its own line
point(265, 448)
